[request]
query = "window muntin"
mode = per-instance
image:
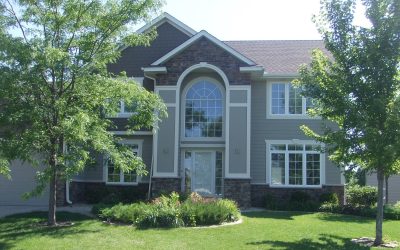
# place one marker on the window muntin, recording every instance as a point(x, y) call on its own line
point(286, 99)
point(295, 164)
point(117, 176)
point(203, 110)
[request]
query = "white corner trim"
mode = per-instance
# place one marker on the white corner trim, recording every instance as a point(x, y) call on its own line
point(166, 17)
point(196, 37)
point(154, 69)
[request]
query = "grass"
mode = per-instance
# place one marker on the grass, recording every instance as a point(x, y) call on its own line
point(259, 230)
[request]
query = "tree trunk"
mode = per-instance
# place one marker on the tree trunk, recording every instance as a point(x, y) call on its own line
point(51, 217)
point(51, 220)
point(379, 214)
point(387, 189)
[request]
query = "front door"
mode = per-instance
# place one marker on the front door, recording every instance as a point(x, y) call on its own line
point(203, 172)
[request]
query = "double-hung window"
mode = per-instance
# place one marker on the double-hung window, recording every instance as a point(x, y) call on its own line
point(116, 176)
point(286, 100)
point(295, 164)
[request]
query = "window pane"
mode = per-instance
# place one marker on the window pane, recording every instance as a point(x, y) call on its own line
point(203, 110)
point(187, 164)
point(313, 169)
point(295, 169)
point(295, 100)
point(309, 103)
point(278, 169)
point(218, 173)
point(278, 147)
point(113, 174)
point(278, 98)
point(295, 147)
point(313, 148)
point(130, 108)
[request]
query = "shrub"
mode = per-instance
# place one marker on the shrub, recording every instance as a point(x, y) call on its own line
point(392, 211)
point(329, 198)
point(169, 211)
point(358, 196)
point(301, 201)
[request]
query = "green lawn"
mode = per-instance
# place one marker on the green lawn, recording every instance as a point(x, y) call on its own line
point(259, 230)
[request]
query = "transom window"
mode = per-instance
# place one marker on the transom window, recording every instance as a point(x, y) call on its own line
point(286, 99)
point(116, 176)
point(203, 110)
point(297, 164)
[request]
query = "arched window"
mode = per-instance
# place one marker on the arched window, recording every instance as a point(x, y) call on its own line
point(203, 110)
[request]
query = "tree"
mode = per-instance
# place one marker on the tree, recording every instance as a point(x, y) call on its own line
point(55, 91)
point(357, 87)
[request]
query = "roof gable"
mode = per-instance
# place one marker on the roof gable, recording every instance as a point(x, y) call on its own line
point(163, 18)
point(195, 38)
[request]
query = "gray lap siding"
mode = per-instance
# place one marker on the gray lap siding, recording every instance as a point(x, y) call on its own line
point(263, 129)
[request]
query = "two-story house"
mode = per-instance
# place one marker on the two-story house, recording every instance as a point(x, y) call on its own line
point(233, 121)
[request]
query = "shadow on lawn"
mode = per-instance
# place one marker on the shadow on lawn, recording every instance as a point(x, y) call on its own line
point(344, 218)
point(280, 215)
point(325, 241)
point(20, 226)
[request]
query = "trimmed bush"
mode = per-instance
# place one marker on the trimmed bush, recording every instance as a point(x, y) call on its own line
point(169, 211)
point(329, 198)
point(358, 196)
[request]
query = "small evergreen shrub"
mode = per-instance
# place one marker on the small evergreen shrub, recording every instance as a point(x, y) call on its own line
point(361, 196)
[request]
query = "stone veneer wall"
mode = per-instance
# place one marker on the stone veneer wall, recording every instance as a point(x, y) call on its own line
point(258, 193)
point(93, 192)
point(165, 185)
point(204, 50)
point(238, 190)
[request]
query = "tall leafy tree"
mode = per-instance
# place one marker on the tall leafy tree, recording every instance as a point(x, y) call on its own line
point(55, 91)
point(357, 87)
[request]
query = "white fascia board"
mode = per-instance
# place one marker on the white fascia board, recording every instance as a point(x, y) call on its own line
point(154, 70)
point(251, 69)
point(166, 17)
point(280, 75)
point(193, 39)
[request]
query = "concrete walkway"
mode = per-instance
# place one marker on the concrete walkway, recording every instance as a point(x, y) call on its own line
point(6, 210)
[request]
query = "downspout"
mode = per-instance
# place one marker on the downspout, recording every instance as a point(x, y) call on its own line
point(152, 151)
point(67, 199)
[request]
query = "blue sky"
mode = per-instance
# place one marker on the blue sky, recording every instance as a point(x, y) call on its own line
point(251, 19)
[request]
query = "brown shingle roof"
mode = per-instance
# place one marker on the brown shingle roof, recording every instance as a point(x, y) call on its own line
point(278, 56)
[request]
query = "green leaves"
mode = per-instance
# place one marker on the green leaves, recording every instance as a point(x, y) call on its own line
point(356, 88)
point(55, 89)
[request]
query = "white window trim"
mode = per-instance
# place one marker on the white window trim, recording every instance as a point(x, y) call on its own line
point(304, 114)
point(121, 183)
point(304, 169)
point(183, 111)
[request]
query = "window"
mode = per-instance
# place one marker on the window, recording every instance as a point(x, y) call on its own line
point(287, 100)
point(115, 175)
point(204, 110)
point(295, 164)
